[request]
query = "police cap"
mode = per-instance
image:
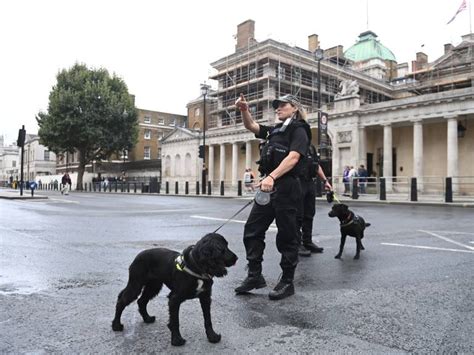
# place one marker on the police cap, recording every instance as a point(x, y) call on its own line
point(286, 98)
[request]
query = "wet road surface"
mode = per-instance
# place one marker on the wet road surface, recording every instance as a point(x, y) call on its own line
point(64, 260)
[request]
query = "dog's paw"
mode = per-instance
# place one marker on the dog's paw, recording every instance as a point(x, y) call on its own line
point(213, 337)
point(149, 319)
point(177, 341)
point(338, 256)
point(362, 247)
point(356, 257)
point(117, 327)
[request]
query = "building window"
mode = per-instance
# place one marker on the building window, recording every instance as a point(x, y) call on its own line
point(147, 153)
point(173, 122)
point(281, 73)
point(147, 134)
point(147, 119)
point(13, 163)
point(197, 111)
point(159, 153)
point(161, 120)
point(160, 135)
point(46, 155)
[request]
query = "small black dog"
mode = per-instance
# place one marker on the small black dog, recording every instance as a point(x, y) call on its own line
point(188, 276)
point(351, 225)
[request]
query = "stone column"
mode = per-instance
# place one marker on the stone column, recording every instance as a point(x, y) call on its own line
point(362, 146)
point(453, 151)
point(222, 164)
point(418, 153)
point(235, 163)
point(248, 154)
point(355, 149)
point(211, 163)
point(387, 156)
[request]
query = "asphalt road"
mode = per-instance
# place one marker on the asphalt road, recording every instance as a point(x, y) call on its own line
point(64, 260)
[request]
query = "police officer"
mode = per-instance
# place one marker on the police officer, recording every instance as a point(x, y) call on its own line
point(280, 167)
point(311, 169)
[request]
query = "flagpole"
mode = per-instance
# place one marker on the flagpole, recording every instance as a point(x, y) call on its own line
point(470, 16)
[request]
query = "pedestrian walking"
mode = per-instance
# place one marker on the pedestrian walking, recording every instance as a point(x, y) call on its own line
point(280, 165)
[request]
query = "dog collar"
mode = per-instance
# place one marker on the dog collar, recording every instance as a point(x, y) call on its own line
point(181, 266)
point(348, 223)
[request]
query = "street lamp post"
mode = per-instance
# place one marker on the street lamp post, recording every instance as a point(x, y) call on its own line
point(319, 55)
point(204, 91)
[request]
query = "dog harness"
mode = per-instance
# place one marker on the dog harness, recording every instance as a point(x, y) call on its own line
point(353, 220)
point(181, 266)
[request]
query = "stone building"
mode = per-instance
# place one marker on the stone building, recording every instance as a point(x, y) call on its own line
point(398, 120)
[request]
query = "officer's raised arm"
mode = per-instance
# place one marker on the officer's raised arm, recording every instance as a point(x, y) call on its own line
point(249, 122)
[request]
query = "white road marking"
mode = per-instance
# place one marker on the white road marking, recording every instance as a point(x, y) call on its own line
point(272, 226)
point(425, 247)
point(61, 200)
point(447, 239)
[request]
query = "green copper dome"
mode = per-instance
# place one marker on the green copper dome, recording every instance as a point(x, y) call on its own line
point(368, 47)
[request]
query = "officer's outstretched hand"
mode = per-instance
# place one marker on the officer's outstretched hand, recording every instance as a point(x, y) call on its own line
point(241, 103)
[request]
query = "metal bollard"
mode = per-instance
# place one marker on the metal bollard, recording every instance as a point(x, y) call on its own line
point(449, 190)
point(186, 188)
point(116, 183)
point(167, 187)
point(209, 192)
point(159, 188)
point(176, 188)
point(197, 187)
point(128, 187)
point(143, 187)
point(239, 188)
point(355, 189)
point(222, 188)
point(383, 195)
point(135, 187)
point(413, 191)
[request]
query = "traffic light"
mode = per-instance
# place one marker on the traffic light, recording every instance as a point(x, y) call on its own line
point(201, 151)
point(20, 142)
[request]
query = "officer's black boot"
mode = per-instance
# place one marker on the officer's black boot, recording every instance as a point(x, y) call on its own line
point(303, 251)
point(253, 281)
point(285, 287)
point(311, 247)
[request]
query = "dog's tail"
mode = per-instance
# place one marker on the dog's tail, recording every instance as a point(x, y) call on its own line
point(367, 224)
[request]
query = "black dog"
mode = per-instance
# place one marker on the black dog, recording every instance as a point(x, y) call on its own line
point(351, 225)
point(188, 276)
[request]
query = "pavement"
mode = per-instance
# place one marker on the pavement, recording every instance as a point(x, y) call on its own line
point(392, 199)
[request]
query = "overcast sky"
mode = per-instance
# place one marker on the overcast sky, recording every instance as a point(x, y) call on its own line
point(163, 49)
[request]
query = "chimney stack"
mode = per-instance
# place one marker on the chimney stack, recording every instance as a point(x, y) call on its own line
point(313, 43)
point(448, 47)
point(245, 34)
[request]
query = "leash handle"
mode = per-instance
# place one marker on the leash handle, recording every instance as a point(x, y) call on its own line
point(235, 214)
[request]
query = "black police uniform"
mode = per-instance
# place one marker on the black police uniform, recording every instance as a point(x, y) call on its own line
point(308, 202)
point(284, 202)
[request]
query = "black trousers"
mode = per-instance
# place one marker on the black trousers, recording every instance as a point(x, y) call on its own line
point(306, 211)
point(283, 207)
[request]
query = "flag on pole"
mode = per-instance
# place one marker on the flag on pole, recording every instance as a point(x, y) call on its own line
point(461, 8)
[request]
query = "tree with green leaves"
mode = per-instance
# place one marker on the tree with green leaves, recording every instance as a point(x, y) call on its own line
point(91, 113)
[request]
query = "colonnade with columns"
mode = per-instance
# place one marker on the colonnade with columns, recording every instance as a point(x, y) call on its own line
point(358, 145)
point(237, 169)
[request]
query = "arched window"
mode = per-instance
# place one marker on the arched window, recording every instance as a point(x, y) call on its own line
point(196, 126)
point(177, 165)
point(187, 165)
point(167, 166)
